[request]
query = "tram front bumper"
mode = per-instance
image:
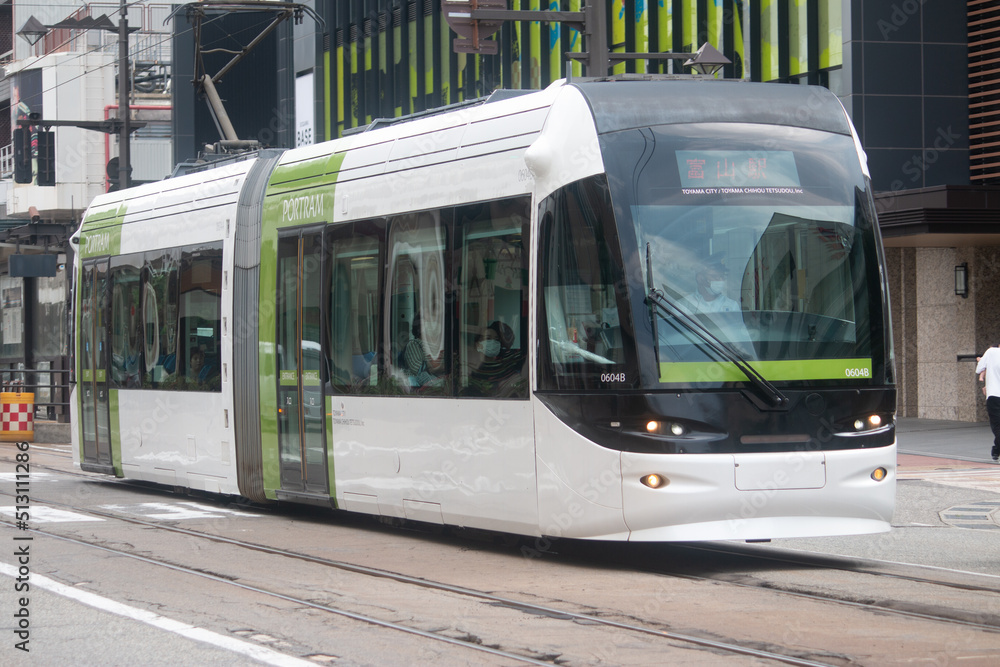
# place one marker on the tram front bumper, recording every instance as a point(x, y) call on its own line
point(759, 496)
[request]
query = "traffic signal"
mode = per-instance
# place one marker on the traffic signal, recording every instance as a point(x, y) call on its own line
point(112, 171)
point(46, 158)
point(22, 155)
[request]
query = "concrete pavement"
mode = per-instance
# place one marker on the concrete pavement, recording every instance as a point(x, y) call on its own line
point(960, 441)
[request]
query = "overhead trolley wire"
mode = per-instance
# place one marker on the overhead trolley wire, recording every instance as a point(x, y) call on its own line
point(78, 55)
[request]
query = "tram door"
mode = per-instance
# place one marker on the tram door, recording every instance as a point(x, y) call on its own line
point(301, 406)
point(93, 378)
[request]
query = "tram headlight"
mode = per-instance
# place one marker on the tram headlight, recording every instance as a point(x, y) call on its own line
point(879, 474)
point(673, 428)
point(865, 424)
point(868, 423)
point(654, 481)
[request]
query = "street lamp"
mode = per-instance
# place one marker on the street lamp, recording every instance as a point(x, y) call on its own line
point(707, 60)
point(33, 30)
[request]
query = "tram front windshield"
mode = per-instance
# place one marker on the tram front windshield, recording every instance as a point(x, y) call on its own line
point(757, 237)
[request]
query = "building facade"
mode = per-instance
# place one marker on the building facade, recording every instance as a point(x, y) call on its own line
point(63, 76)
point(916, 76)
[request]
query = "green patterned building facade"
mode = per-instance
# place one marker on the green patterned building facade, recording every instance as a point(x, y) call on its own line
point(387, 58)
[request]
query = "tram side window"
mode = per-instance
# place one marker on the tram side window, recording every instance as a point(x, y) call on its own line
point(418, 358)
point(579, 271)
point(355, 311)
point(200, 316)
point(165, 313)
point(126, 322)
point(159, 314)
point(492, 291)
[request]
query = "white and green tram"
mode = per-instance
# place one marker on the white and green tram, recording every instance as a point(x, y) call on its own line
point(611, 309)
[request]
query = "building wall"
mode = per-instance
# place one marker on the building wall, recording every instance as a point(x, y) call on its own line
point(937, 334)
point(902, 299)
point(945, 328)
point(74, 87)
point(984, 287)
point(389, 58)
point(906, 89)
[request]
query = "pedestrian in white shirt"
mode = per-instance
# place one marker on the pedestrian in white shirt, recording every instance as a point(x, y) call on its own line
point(988, 368)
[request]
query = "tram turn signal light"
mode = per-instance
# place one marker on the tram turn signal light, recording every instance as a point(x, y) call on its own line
point(879, 474)
point(654, 481)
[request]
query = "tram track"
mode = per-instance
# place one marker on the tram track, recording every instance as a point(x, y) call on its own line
point(488, 598)
point(288, 598)
point(749, 558)
point(745, 551)
point(597, 618)
point(638, 558)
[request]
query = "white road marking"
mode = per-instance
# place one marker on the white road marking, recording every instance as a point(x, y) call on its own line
point(983, 479)
point(177, 511)
point(261, 653)
point(42, 514)
point(35, 476)
point(62, 450)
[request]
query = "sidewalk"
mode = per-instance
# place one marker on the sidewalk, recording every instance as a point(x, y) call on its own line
point(962, 441)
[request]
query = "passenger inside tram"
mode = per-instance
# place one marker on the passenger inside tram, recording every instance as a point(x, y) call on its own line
point(416, 361)
point(201, 370)
point(499, 370)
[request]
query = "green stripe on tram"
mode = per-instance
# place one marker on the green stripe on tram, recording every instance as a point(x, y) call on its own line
point(115, 430)
point(775, 370)
point(298, 193)
point(102, 232)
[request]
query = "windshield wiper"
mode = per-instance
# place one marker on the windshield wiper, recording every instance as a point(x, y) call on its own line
point(659, 301)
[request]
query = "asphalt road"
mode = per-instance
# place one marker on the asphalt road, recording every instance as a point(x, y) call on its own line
point(948, 504)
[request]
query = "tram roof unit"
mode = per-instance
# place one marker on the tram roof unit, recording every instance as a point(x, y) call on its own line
point(643, 105)
point(425, 139)
point(179, 201)
point(449, 133)
point(621, 104)
point(496, 96)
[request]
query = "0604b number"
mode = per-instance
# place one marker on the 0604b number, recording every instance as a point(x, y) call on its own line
point(612, 377)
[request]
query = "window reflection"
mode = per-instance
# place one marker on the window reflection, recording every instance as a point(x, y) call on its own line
point(165, 319)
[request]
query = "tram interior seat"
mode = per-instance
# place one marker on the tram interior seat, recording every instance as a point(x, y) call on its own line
point(361, 365)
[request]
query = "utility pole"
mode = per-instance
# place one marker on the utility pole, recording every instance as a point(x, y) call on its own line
point(34, 30)
point(124, 113)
